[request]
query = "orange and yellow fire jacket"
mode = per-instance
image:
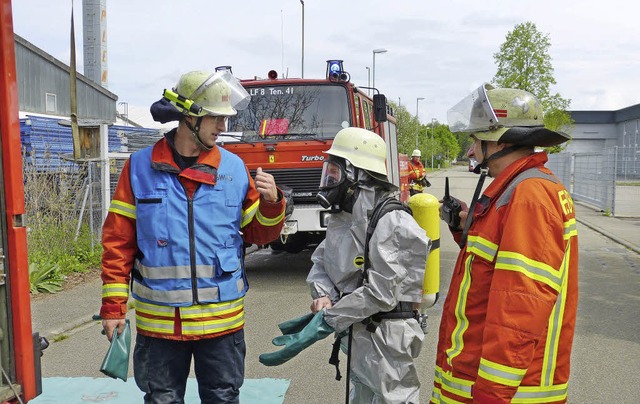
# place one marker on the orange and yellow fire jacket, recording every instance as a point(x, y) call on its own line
point(175, 298)
point(417, 175)
point(509, 316)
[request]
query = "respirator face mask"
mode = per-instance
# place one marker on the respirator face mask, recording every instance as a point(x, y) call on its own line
point(337, 184)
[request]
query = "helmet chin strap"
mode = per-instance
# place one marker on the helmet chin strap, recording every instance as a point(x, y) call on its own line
point(195, 132)
point(485, 160)
point(483, 171)
point(467, 224)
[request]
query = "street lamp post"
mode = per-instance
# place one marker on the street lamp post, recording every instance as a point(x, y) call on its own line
point(302, 2)
point(368, 80)
point(418, 118)
point(433, 128)
point(373, 69)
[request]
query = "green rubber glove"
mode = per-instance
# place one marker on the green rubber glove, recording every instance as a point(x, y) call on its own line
point(296, 325)
point(315, 330)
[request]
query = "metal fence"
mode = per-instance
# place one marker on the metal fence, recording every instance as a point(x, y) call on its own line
point(628, 163)
point(65, 190)
point(64, 193)
point(609, 181)
point(74, 190)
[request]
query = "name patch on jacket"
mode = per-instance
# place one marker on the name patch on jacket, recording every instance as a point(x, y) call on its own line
point(224, 177)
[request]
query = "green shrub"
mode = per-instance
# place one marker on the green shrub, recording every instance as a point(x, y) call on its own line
point(57, 245)
point(44, 278)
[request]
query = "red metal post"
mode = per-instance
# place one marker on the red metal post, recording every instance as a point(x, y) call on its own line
point(16, 262)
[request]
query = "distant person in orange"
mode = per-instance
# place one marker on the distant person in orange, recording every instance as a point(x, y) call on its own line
point(417, 174)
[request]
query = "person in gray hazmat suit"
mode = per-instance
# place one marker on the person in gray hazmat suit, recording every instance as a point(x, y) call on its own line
point(381, 308)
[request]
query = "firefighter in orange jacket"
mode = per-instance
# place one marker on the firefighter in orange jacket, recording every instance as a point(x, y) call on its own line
point(509, 316)
point(417, 174)
point(175, 230)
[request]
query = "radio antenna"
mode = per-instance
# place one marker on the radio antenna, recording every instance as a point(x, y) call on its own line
point(446, 187)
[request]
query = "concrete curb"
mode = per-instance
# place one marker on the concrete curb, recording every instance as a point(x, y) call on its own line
point(67, 329)
point(610, 235)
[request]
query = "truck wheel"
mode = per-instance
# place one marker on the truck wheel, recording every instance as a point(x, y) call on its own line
point(295, 243)
point(276, 245)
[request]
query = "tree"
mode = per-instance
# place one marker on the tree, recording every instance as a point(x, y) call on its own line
point(524, 63)
point(441, 142)
point(464, 142)
point(444, 145)
point(408, 126)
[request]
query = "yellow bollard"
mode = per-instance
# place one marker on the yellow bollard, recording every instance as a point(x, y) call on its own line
point(426, 211)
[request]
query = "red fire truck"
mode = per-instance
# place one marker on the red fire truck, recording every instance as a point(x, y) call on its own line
point(19, 348)
point(288, 126)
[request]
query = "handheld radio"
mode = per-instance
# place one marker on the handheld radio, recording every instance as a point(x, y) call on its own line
point(451, 208)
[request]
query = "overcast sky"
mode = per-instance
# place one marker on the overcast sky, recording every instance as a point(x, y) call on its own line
point(439, 50)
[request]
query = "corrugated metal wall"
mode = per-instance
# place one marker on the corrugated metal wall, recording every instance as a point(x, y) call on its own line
point(39, 73)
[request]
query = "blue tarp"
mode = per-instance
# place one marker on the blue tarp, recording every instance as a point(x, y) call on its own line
point(45, 141)
point(83, 390)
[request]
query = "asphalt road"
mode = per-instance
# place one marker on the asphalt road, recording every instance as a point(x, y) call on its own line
point(606, 350)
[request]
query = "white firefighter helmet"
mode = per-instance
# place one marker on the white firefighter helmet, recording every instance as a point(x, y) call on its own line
point(218, 94)
point(364, 149)
point(416, 153)
point(504, 115)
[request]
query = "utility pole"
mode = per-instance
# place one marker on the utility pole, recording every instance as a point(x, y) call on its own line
point(302, 2)
point(433, 128)
point(368, 80)
point(373, 70)
point(418, 118)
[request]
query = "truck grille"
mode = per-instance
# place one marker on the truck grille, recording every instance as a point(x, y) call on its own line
point(303, 181)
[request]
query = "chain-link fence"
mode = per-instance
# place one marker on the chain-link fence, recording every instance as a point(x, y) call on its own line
point(65, 190)
point(64, 194)
point(628, 163)
point(609, 180)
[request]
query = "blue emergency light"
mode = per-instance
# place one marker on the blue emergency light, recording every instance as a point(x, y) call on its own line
point(335, 71)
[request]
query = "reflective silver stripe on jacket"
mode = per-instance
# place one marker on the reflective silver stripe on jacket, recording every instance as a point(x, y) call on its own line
point(174, 272)
point(173, 296)
point(505, 197)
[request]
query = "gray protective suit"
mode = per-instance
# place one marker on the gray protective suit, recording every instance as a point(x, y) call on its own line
point(382, 368)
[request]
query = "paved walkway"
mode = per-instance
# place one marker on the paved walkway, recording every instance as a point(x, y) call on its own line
point(624, 231)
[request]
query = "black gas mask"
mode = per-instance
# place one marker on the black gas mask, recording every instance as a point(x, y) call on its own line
point(337, 185)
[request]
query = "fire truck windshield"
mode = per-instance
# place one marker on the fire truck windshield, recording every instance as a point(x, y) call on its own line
point(293, 112)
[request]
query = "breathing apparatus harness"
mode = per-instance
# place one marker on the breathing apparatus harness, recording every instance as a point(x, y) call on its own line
point(402, 310)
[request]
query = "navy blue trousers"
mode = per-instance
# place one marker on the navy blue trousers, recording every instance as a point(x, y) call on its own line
point(161, 368)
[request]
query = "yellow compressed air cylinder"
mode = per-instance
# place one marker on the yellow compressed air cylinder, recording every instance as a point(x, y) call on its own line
point(426, 211)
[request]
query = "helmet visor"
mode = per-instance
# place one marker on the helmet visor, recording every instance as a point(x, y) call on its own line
point(239, 97)
point(474, 113)
point(332, 175)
